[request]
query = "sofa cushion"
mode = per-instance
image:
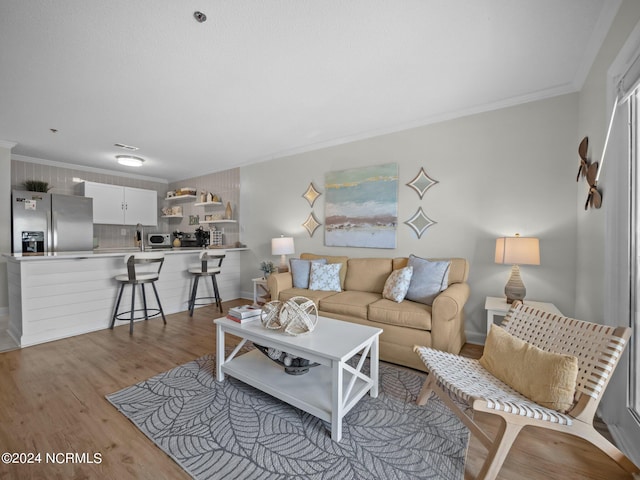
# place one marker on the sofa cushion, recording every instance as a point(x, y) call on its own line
point(367, 274)
point(315, 295)
point(404, 314)
point(352, 303)
point(330, 259)
point(428, 279)
point(397, 284)
point(301, 271)
point(325, 277)
point(458, 269)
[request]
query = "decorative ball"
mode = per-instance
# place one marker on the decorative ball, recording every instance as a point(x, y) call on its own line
point(270, 316)
point(274, 353)
point(298, 315)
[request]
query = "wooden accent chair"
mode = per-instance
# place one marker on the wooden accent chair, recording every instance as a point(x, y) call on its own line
point(458, 380)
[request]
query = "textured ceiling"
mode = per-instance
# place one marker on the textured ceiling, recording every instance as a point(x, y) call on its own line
point(261, 79)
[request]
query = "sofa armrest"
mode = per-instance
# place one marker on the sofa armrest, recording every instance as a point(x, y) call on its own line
point(450, 302)
point(447, 318)
point(278, 282)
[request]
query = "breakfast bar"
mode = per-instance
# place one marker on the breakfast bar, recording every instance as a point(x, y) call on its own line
point(53, 296)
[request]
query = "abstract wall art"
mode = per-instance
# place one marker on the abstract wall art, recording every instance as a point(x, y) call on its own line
point(361, 207)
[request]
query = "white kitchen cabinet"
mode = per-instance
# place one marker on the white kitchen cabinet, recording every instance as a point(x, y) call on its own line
point(117, 205)
point(141, 206)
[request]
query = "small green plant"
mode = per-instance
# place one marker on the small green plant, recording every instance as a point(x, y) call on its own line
point(36, 186)
point(267, 267)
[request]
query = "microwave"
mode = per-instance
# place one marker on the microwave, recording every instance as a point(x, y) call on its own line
point(159, 239)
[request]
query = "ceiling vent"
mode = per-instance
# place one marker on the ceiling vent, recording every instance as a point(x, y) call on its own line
point(126, 147)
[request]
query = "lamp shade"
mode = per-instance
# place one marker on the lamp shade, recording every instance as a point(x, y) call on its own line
point(282, 246)
point(518, 250)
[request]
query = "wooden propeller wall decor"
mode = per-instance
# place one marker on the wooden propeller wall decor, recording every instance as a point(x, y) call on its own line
point(584, 161)
point(589, 170)
point(594, 197)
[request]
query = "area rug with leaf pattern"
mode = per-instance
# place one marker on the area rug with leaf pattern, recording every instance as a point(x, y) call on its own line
point(229, 430)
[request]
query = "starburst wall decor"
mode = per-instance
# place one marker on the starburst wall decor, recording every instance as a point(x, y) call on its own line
point(311, 224)
point(420, 222)
point(311, 195)
point(422, 182)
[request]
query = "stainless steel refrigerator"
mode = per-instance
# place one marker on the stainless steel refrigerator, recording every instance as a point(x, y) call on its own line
point(50, 222)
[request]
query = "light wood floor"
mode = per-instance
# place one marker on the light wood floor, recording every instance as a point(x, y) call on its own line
point(52, 401)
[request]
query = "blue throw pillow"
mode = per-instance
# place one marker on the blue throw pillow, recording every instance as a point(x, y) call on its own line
point(428, 279)
point(301, 270)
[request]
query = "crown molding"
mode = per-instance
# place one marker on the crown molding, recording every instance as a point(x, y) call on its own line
point(545, 94)
point(53, 163)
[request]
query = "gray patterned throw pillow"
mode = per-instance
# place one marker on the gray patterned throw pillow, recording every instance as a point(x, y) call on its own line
point(325, 277)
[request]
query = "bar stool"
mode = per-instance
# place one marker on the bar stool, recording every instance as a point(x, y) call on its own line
point(206, 270)
point(138, 275)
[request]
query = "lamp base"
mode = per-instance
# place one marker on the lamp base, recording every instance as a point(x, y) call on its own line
point(514, 289)
point(283, 267)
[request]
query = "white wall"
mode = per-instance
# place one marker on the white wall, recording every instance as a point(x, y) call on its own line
point(502, 172)
point(602, 276)
point(5, 221)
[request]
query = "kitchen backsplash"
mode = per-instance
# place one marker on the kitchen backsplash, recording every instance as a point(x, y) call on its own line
point(65, 181)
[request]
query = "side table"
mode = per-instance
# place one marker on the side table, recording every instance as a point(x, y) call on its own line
point(498, 306)
point(260, 290)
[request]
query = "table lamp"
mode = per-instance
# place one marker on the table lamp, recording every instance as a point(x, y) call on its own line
point(517, 251)
point(282, 246)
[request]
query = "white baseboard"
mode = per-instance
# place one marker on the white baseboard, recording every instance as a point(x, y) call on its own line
point(475, 338)
point(248, 295)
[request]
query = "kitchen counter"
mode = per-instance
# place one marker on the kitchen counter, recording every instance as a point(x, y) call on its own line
point(107, 252)
point(60, 295)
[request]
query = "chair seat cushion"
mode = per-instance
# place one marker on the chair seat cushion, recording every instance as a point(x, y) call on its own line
point(470, 382)
point(140, 277)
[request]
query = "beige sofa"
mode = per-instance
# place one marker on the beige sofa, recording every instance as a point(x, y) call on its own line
point(404, 324)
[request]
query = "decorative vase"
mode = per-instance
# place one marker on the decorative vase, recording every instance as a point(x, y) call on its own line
point(228, 212)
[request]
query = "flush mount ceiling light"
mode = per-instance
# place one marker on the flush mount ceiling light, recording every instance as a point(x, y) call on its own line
point(129, 160)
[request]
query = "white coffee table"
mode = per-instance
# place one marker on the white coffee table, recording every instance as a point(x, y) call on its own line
point(327, 391)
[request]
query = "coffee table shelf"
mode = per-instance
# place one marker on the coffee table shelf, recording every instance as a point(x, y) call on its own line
point(327, 391)
point(312, 394)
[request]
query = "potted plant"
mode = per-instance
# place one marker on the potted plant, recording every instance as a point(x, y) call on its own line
point(36, 186)
point(267, 267)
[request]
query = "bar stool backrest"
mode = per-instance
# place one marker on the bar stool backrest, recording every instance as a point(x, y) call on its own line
point(206, 256)
point(142, 258)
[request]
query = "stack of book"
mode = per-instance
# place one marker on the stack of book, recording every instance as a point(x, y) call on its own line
point(244, 313)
